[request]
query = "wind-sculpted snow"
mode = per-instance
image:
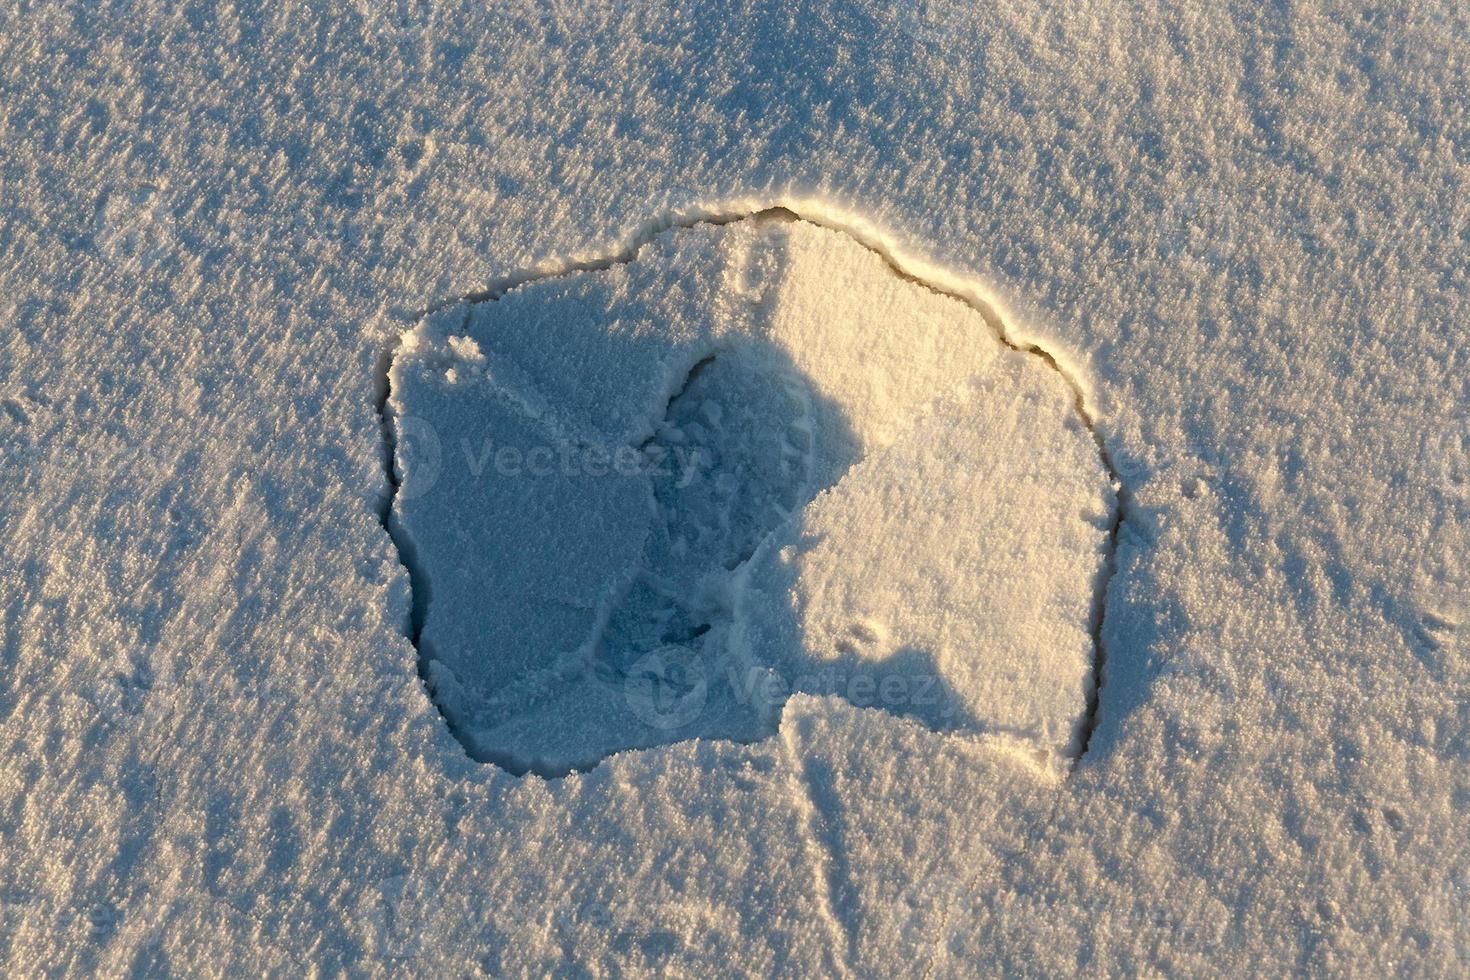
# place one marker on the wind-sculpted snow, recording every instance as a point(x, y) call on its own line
point(648, 502)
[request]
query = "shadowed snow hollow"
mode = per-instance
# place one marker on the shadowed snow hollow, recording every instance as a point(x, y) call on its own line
point(648, 502)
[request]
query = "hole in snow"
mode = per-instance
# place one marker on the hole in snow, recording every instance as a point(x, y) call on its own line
point(648, 500)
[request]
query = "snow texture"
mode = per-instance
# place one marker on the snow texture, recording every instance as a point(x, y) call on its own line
point(1240, 229)
point(647, 503)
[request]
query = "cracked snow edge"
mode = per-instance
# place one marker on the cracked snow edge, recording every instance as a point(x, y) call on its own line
point(908, 268)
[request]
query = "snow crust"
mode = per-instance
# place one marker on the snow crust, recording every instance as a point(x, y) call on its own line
point(648, 503)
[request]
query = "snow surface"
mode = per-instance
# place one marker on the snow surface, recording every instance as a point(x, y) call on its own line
point(1243, 230)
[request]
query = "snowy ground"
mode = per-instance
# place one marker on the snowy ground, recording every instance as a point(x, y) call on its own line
point(1242, 232)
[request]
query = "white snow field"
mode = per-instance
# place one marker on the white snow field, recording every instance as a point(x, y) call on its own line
point(1199, 272)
